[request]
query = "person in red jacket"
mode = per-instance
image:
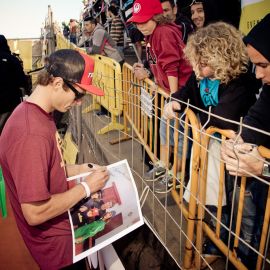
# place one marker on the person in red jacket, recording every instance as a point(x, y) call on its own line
point(164, 49)
point(164, 46)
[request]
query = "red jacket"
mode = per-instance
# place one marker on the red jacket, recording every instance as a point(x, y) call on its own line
point(164, 50)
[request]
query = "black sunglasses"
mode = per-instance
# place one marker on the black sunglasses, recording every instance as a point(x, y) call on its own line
point(78, 95)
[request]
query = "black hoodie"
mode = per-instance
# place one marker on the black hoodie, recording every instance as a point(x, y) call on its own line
point(234, 100)
point(12, 78)
point(259, 115)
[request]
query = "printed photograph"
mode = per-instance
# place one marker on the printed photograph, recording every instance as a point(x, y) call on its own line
point(106, 215)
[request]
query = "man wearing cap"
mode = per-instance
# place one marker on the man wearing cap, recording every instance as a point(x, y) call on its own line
point(243, 157)
point(32, 164)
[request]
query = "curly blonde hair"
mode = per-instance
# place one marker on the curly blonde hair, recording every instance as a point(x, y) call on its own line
point(219, 46)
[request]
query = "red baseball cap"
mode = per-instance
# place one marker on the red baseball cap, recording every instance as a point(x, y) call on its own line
point(81, 73)
point(86, 80)
point(144, 10)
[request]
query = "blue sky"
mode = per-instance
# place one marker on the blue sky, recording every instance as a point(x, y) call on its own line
point(24, 18)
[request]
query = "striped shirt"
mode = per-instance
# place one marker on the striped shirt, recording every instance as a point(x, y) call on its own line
point(117, 31)
point(127, 5)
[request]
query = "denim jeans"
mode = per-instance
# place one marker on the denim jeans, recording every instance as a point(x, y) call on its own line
point(252, 219)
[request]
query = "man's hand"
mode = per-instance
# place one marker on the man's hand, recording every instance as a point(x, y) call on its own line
point(140, 72)
point(242, 159)
point(97, 179)
point(170, 108)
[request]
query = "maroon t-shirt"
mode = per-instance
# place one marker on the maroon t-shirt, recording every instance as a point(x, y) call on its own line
point(31, 160)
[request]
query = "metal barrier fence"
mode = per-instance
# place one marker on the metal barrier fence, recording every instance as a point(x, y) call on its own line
point(108, 77)
point(144, 127)
point(228, 248)
point(142, 108)
point(145, 124)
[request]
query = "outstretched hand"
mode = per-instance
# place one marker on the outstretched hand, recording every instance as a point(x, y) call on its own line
point(139, 71)
point(170, 108)
point(242, 159)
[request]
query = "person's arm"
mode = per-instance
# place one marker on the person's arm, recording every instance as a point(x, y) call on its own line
point(98, 40)
point(76, 169)
point(140, 71)
point(173, 83)
point(183, 94)
point(169, 55)
point(83, 40)
point(37, 213)
point(233, 103)
point(258, 117)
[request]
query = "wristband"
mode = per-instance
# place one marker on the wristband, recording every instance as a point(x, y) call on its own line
point(86, 188)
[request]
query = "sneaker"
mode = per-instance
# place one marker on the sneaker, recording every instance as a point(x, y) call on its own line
point(210, 249)
point(165, 184)
point(156, 173)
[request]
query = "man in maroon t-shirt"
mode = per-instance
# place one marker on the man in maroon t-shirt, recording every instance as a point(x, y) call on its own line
point(32, 164)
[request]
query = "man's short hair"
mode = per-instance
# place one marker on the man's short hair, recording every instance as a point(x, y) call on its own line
point(67, 64)
point(170, 1)
point(90, 19)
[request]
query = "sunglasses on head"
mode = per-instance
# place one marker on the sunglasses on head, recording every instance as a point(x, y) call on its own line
point(78, 95)
point(195, 2)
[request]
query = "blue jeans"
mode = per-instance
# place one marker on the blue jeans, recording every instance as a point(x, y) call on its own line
point(252, 219)
point(163, 134)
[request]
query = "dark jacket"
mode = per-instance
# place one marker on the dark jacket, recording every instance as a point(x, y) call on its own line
point(235, 99)
point(12, 77)
point(259, 117)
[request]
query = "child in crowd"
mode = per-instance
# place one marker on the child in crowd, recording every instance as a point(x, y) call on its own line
point(164, 48)
point(220, 80)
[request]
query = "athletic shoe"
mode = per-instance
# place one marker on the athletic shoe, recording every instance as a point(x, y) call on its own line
point(156, 173)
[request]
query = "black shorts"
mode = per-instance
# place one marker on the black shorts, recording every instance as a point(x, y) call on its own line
point(134, 34)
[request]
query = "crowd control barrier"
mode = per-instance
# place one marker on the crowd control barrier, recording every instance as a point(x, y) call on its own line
point(143, 107)
point(230, 245)
point(108, 77)
point(142, 103)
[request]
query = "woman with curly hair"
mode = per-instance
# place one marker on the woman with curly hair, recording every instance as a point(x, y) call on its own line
point(220, 80)
point(220, 77)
